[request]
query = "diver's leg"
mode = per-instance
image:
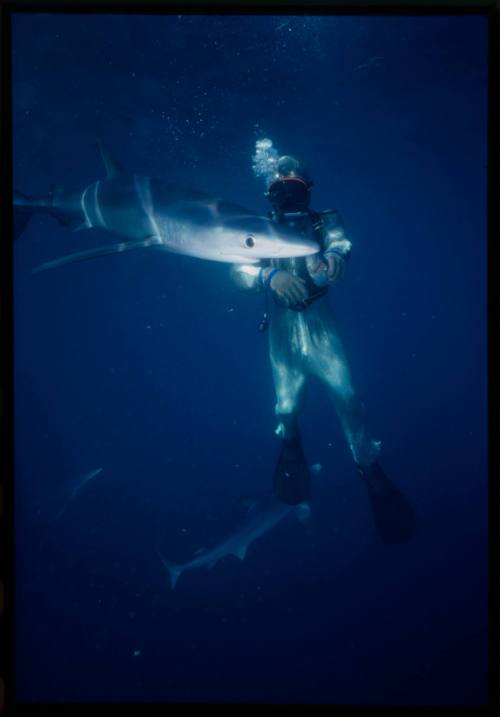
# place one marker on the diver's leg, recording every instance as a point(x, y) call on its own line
point(289, 384)
point(394, 517)
point(292, 481)
point(330, 364)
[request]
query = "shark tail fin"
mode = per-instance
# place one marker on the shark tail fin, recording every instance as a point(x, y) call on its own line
point(173, 569)
point(23, 211)
point(25, 206)
point(101, 251)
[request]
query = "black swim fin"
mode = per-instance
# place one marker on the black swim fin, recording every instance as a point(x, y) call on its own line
point(394, 517)
point(292, 479)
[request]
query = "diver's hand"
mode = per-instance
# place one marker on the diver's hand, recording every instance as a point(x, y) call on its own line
point(291, 289)
point(335, 267)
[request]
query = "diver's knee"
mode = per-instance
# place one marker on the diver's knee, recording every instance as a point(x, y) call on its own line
point(286, 406)
point(344, 393)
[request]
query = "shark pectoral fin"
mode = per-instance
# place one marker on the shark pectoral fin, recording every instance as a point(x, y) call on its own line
point(113, 168)
point(101, 251)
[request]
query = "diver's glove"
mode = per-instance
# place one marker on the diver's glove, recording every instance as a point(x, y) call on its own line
point(336, 265)
point(327, 269)
point(318, 270)
point(289, 289)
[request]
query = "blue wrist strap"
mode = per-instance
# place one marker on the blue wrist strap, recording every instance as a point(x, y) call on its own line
point(270, 276)
point(338, 252)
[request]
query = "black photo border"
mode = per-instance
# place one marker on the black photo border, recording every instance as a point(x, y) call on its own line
point(487, 8)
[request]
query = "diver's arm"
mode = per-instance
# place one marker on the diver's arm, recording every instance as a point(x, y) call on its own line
point(254, 278)
point(249, 277)
point(337, 248)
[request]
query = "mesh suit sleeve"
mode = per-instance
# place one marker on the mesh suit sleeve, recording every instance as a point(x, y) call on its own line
point(247, 277)
point(335, 242)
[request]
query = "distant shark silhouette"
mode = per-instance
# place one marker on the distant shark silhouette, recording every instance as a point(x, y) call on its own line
point(73, 487)
point(262, 515)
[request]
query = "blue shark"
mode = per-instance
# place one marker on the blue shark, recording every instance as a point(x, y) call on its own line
point(262, 516)
point(148, 212)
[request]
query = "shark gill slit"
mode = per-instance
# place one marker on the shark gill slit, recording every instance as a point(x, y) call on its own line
point(88, 223)
point(142, 187)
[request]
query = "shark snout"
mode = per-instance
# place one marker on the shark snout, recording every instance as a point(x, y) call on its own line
point(297, 249)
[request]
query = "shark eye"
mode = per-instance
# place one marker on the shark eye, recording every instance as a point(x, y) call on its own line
point(250, 241)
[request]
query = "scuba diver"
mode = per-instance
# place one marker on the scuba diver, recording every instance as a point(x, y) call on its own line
point(303, 342)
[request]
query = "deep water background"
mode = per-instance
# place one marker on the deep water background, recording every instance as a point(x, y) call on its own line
point(151, 367)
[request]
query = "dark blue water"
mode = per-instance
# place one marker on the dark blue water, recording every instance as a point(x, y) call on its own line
point(150, 366)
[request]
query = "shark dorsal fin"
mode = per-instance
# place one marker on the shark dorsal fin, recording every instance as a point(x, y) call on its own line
point(113, 168)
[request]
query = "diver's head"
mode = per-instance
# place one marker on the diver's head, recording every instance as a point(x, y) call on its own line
point(290, 191)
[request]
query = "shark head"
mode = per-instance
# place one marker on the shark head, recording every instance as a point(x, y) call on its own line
point(247, 239)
